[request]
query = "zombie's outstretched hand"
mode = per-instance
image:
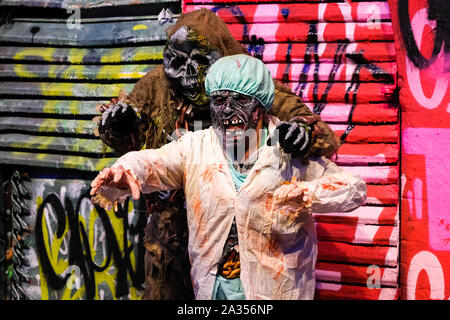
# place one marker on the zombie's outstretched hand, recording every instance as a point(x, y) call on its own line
point(112, 185)
point(294, 138)
point(290, 208)
point(120, 127)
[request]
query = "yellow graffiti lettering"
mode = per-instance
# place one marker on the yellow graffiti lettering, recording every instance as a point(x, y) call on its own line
point(114, 55)
point(75, 289)
point(45, 53)
point(21, 71)
point(77, 55)
point(143, 55)
point(50, 106)
point(139, 27)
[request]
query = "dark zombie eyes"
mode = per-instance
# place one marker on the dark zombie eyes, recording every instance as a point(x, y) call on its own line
point(219, 100)
point(201, 60)
point(179, 61)
point(244, 99)
point(240, 99)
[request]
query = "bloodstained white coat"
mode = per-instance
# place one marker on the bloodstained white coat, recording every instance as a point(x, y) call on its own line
point(277, 256)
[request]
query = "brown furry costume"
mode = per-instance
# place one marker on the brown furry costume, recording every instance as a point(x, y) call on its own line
point(153, 96)
point(167, 264)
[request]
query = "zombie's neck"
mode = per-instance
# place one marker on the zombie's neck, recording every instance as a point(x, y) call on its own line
point(252, 150)
point(245, 165)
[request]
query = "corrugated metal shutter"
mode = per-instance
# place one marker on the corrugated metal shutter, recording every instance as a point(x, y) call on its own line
point(52, 76)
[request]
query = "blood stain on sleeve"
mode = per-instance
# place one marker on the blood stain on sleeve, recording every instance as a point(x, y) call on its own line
point(328, 186)
point(280, 270)
point(273, 245)
point(268, 202)
point(198, 217)
point(333, 186)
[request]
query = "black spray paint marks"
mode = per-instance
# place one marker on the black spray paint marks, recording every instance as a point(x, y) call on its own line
point(79, 253)
point(337, 61)
point(286, 71)
point(285, 78)
point(378, 73)
point(311, 49)
point(255, 45)
point(352, 91)
point(438, 10)
point(33, 31)
point(285, 13)
point(237, 13)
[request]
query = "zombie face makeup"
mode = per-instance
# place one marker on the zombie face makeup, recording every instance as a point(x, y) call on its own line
point(186, 60)
point(234, 115)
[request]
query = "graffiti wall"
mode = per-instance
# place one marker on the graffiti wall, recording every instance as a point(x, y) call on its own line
point(68, 248)
point(422, 43)
point(53, 74)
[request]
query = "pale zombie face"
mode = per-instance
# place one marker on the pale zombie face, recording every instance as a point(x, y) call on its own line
point(186, 60)
point(235, 116)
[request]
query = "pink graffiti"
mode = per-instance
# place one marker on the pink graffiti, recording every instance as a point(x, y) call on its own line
point(415, 200)
point(434, 73)
point(434, 144)
point(428, 262)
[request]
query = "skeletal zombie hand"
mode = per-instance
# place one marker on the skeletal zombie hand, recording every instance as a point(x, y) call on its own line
point(294, 138)
point(112, 185)
point(120, 127)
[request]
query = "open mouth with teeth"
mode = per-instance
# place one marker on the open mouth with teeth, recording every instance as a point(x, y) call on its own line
point(191, 90)
point(234, 128)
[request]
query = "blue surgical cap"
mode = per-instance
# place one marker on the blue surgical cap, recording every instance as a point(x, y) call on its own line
point(244, 74)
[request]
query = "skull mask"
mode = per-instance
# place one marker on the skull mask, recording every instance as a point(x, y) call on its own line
point(186, 60)
point(235, 117)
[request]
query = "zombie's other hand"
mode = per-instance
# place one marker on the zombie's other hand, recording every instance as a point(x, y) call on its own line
point(290, 206)
point(294, 138)
point(120, 127)
point(112, 185)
